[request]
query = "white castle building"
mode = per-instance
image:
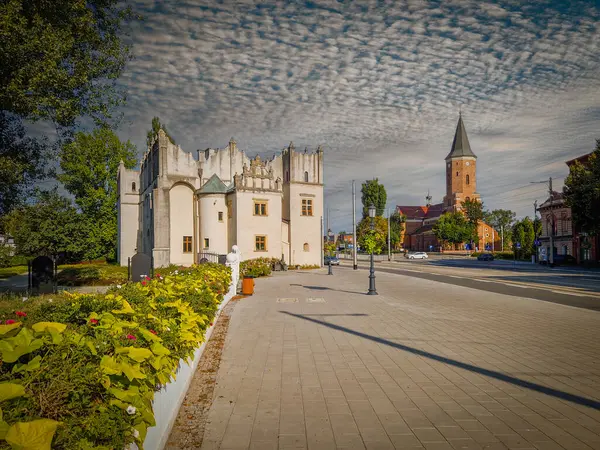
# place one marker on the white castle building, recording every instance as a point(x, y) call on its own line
point(176, 207)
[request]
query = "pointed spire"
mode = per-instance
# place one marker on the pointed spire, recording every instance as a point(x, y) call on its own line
point(460, 145)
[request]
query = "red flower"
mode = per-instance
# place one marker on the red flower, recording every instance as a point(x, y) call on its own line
point(93, 321)
point(9, 322)
point(211, 324)
point(143, 283)
point(158, 275)
point(131, 337)
point(147, 277)
point(21, 314)
point(152, 331)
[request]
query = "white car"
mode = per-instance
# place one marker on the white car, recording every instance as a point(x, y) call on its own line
point(418, 255)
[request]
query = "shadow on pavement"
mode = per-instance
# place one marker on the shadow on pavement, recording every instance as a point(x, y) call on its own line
point(330, 315)
point(452, 362)
point(324, 288)
point(558, 280)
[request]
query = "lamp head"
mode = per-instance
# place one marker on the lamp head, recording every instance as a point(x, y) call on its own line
point(372, 211)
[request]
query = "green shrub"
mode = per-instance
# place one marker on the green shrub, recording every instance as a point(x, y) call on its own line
point(258, 267)
point(83, 368)
point(91, 274)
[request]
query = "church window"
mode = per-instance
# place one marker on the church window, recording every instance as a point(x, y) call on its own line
point(220, 215)
point(260, 208)
point(468, 199)
point(260, 243)
point(206, 242)
point(468, 180)
point(307, 207)
point(306, 247)
point(187, 244)
point(456, 173)
point(133, 186)
point(306, 177)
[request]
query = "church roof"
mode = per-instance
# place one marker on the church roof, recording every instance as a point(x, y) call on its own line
point(421, 212)
point(214, 185)
point(558, 199)
point(460, 144)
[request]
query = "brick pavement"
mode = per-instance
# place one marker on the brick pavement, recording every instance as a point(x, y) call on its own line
point(423, 365)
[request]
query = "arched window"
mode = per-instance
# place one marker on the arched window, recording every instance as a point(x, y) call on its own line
point(468, 180)
point(456, 173)
point(306, 177)
point(133, 186)
point(306, 247)
point(467, 199)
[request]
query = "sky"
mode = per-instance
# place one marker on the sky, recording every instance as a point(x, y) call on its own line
point(379, 84)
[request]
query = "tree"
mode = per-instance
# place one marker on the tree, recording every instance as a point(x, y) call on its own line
point(153, 133)
point(50, 226)
point(397, 222)
point(375, 240)
point(329, 248)
point(473, 210)
point(60, 59)
point(22, 162)
point(89, 172)
point(453, 228)
point(524, 233)
point(373, 193)
point(502, 220)
point(582, 193)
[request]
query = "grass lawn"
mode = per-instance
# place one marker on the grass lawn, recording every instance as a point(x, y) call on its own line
point(6, 272)
point(100, 274)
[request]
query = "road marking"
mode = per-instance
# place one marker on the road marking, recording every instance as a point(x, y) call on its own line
point(315, 300)
point(287, 300)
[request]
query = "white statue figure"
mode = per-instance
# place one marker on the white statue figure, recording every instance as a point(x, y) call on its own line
point(233, 260)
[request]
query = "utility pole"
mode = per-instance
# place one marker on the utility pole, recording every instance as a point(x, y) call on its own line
point(389, 239)
point(328, 229)
point(322, 252)
point(551, 231)
point(535, 249)
point(354, 243)
point(502, 236)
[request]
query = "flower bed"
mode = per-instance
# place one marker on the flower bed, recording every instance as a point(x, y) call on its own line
point(81, 372)
point(258, 267)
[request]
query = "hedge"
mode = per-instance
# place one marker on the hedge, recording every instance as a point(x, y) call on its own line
point(497, 255)
point(257, 267)
point(79, 371)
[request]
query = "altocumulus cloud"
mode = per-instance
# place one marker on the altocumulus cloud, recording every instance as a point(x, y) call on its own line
point(379, 84)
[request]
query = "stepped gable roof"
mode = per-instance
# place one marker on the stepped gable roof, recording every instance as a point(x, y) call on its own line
point(421, 212)
point(214, 185)
point(460, 144)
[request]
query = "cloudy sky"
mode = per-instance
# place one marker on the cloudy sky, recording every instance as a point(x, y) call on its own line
point(379, 84)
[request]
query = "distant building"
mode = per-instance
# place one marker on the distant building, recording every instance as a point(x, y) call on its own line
point(461, 184)
point(177, 208)
point(556, 220)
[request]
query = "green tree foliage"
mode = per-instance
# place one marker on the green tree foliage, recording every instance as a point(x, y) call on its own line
point(582, 193)
point(502, 220)
point(523, 233)
point(51, 226)
point(60, 59)
point(373, 193)
point(329, 248)
point(89, 172)
point(473, 210)
point(376, 239)
point(22, 162)
point(397, 222)
point(153, 133)
point(453, 228)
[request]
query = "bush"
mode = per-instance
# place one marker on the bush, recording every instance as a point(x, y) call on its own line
point(258, 267)
point(497, 255)
point(91, 274)
point(80, 371)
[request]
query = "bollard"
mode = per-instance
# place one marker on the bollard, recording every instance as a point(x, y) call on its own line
point(330, 272)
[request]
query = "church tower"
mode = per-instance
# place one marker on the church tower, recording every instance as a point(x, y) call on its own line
point(461, 171)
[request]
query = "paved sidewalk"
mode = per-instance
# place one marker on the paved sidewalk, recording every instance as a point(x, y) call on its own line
point(422, 365)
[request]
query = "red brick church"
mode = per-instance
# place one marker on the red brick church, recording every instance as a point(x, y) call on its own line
point(461, 185)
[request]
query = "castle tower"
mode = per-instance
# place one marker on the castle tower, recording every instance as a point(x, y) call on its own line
point(461, 171)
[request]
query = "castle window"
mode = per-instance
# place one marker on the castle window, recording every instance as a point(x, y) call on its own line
point(206, 242)
point(307, 207)
point(187, 244)
point(306, 247)
point(220, 215)
point(468, 179)
point(306, 177)
point(260, 243)
point(133, 186)
point(260, 208)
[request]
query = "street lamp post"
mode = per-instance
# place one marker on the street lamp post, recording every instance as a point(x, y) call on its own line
point(330, 233)
point(372, 290)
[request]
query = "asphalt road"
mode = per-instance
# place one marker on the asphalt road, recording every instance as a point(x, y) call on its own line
point(570, 287)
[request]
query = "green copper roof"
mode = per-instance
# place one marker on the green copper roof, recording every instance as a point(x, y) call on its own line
point(460, 145)
point(214, 185)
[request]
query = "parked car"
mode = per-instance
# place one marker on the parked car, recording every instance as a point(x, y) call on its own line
point(418, 255)
point(559, 260)
point(485, 257)
point(333, 260)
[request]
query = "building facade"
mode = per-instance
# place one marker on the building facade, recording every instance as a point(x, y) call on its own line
point(461, 185)
point(176, 208)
